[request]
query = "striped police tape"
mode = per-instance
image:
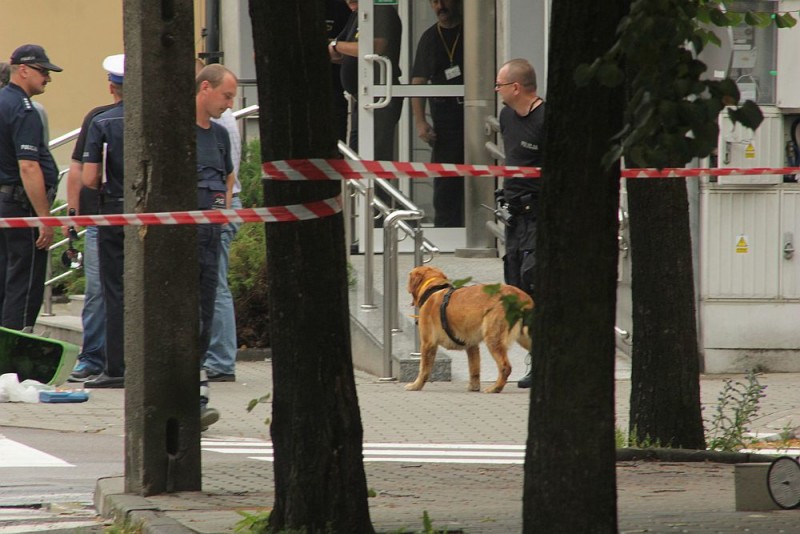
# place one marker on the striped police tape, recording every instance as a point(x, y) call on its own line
point(339, 169)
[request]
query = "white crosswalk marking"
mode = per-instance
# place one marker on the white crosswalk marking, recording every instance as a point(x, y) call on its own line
point(14, 454)
point(459, 453)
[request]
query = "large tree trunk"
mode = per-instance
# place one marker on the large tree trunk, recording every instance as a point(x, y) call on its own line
point(665, 382)
point(571, 450)
point(320, 485)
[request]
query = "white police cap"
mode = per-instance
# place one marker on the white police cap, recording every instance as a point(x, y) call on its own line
point(115, 65)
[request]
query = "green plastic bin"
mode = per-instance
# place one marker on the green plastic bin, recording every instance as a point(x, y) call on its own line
point(45, 360)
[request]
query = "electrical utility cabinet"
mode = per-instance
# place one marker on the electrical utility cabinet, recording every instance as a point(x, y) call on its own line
point(749, 273)
point(744, 228)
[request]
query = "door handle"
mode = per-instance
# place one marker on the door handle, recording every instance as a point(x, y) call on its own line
point(385, 66)
point(788, 247)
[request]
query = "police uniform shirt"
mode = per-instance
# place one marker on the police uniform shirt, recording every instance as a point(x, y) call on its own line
point(108, 129)
point(522, 142)
point(214, 163)
point(88, 197)
point(22, 137)
point(433, 62)
point(387, 26)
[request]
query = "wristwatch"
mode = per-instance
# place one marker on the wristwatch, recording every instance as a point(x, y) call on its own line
point(333, 44)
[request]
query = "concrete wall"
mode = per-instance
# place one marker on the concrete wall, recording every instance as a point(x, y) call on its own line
point(77, 35)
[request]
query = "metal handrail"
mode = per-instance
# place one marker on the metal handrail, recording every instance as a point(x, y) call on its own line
point(393, 219)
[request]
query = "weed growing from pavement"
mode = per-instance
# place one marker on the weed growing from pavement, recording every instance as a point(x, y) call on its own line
point(427, 527)
point(737, 406)
point(256, 522)
point(126, 526)
point(624, 440)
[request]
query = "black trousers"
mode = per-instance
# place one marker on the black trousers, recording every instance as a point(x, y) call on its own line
point(22, 267)
point(520, 258)
point(448, 193)
point(111, 252)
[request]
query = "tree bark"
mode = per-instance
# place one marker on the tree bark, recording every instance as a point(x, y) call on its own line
point(665, 376)
point(571, 448)
point(320, 484)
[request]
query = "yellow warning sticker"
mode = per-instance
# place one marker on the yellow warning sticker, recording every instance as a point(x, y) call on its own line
point(750, 151)
point(742, 246)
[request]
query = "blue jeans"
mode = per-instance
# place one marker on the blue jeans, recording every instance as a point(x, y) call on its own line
point(93, 315)
point(221, 354)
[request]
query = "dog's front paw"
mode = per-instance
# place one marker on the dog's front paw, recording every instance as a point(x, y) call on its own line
point(413, 386)
point(474, 386)
point(494, 388)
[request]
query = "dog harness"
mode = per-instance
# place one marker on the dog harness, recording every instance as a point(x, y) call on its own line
point(443, 318)
point(442, 309)
point(430, 291)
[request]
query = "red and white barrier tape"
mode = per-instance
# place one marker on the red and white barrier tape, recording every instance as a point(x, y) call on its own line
point(293, 213)
point(339, 169)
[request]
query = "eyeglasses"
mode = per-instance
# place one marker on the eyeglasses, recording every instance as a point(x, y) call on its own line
point(498, 85)
point(41, 70)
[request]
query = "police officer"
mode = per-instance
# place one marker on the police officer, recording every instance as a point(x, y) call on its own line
point(522, 128)
point(104, 144)
point(84, 201)
point(28, 179)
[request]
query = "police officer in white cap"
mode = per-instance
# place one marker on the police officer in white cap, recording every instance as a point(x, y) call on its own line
point(104, 146)
point(82, 200)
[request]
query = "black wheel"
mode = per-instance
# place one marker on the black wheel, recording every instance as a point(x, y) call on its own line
point(783, 482)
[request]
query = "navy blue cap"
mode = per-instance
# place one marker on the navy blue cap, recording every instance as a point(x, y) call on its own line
point(31, 54)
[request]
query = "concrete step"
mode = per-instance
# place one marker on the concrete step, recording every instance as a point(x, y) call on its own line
point(62, 327)
point(65, 324)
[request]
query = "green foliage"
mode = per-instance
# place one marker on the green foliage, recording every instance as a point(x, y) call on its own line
point(256, 522)
point(516, 310)
point(623, 440)
point(427, 526)
point(737, 406)
point(255, 402)
point(252, 194)
point(671, 114)
point(126, 526)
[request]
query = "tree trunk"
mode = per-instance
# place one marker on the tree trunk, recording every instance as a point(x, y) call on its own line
point(665, 378)
point(320, 485)
point(571, 448)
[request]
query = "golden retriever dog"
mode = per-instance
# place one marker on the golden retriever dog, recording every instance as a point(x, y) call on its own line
point(470, 315)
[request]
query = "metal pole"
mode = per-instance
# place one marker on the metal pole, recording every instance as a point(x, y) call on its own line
point(369, 248)
point(390, 281)
point(479, 103)
point(418, 260)
point(48, 289)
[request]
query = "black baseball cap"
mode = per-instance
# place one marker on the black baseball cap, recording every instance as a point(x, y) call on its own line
point(31, 54)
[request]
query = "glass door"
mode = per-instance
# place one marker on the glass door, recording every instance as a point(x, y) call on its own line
point(409, 101)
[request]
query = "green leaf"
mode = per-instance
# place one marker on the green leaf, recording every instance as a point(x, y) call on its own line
point(491, 289)
point(610, 75)
point(785, 20)
point(718, 18)
point(748, 115)
point(462, 282)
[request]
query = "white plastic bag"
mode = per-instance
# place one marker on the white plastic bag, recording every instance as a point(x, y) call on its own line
point(12, 391)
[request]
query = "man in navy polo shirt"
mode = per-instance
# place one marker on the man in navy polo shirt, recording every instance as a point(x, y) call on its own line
point(28, 179)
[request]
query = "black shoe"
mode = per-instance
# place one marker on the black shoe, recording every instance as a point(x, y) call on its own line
point(525, 381)
point(214, 376)
point(83, 372)
point(105, 381)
